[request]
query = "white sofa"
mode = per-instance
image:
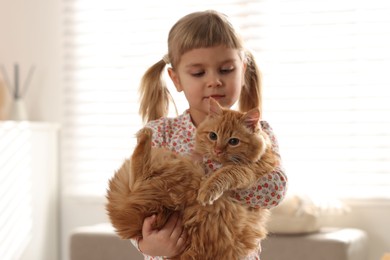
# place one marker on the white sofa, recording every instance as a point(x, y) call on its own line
point(99, 242)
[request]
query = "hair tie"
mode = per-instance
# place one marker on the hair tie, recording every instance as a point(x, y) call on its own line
point(166, 59)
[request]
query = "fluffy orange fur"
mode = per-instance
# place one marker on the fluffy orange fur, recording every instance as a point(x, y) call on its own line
point(158, 181)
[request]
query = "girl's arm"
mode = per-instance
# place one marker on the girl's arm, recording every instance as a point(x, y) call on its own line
point(267, 192)
point(270, 189)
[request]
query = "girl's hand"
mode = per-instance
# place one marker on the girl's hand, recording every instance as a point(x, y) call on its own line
point(169, 241)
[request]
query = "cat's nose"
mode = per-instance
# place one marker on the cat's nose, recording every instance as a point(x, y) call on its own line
point(217, 151)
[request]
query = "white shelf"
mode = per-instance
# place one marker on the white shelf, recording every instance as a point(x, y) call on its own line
point(29, 161)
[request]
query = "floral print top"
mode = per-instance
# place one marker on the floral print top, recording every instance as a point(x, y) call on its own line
point(178, 135)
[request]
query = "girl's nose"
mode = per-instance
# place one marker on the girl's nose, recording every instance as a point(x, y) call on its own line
point(214, 81)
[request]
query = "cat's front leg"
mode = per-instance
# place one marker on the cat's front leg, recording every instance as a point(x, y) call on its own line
point(209, 191)
point(226, 178)
point(214, 186)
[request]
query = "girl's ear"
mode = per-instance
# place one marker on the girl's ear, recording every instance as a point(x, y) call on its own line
point(215, 108)
point(175, 79)
point(252, 119)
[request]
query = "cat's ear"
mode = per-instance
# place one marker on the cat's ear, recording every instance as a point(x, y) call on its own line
point(215, 108)
point(252, 119)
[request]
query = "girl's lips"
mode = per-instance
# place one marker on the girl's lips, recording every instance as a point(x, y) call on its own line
point(217, 96)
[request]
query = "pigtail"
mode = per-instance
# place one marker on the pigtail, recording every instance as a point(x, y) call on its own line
point(251, 93)
point(155, 96)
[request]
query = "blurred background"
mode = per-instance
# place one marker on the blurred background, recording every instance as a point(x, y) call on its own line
point(76, 65)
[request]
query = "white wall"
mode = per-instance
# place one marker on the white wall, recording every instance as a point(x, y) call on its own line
point(30, 33)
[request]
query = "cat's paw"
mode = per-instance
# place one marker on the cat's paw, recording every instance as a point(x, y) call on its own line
point(207, 196)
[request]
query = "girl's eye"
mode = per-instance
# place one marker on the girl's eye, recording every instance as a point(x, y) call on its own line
point(226, 70)
point(213, 136)
point(234, 141)
point(198, 74)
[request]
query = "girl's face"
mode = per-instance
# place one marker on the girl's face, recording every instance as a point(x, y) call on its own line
point(202, 73)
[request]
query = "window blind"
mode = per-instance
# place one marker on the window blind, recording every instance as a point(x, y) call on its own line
point(325, 68)
point(108, 45)
point(324, 75)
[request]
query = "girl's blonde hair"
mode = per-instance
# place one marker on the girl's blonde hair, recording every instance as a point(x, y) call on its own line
point(197, 30)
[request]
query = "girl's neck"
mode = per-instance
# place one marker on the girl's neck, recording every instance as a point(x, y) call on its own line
point(196, 116)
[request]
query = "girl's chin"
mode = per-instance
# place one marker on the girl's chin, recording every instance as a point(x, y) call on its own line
point(221, 100)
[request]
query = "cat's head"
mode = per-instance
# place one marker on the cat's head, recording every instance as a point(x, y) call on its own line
point(230, 136)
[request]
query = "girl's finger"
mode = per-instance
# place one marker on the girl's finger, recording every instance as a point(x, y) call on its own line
point(178, 229)
point(171, 224)
point(147, 225)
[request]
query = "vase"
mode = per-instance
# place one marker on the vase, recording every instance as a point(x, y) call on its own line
point(18, 110)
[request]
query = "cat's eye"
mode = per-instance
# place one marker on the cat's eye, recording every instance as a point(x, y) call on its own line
point(213, 136)
point(234, 141)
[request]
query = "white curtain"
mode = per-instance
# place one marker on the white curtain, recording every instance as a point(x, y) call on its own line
point(324, 67)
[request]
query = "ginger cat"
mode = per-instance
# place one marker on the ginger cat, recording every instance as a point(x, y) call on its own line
point(159, 181)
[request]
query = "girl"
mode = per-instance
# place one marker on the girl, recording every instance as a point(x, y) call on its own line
point(207, 59)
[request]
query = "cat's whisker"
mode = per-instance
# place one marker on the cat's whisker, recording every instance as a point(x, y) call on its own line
point(235, 160)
